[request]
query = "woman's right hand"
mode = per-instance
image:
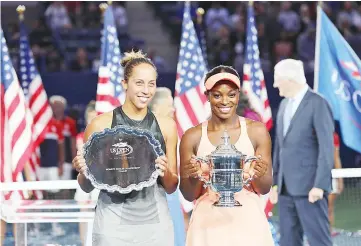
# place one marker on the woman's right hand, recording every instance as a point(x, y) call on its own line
point(247, 171)
point(79, 162)
point(192, 169)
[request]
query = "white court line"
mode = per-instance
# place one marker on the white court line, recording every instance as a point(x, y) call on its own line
point(40, 185)
point(51, 206)
point(44, 220)
point(57, 214)
point(346, 173)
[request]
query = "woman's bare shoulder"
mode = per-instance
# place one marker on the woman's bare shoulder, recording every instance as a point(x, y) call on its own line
point(165, 122)
point(193, 135)
point(99, 123)
point(167, 126)
point(256, 128)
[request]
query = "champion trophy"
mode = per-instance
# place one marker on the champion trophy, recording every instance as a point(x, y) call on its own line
point(226, 172)
point(122, 159)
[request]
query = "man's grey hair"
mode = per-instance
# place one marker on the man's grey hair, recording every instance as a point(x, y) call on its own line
point(57, 98)
point(160, 93)
point(290, 69)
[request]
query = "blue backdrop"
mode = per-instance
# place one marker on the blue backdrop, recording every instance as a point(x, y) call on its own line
point(80, 88)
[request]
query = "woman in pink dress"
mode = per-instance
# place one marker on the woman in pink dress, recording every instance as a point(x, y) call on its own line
point(242, 225)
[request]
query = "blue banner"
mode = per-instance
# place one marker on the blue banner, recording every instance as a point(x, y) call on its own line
point(339, 80)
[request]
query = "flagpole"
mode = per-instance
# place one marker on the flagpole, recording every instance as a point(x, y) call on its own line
point(187, 5)
point(202, 39)
point(103, 7)
point(26, 169)
point(200, 13)
point(317, 48)
point(21, 9)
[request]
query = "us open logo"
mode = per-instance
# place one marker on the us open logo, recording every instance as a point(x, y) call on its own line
point(121, 148)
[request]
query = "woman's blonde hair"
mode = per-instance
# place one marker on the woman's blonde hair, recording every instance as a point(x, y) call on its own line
point(132, 59)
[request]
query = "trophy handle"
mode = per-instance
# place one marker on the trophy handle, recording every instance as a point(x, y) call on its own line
point(248, 159)
point(202, 159)
point(206, 183)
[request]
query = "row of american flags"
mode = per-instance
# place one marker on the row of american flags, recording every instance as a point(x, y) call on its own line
point(25, 113)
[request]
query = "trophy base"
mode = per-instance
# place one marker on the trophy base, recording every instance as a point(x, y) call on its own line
point(227, 204)
point(227, 200)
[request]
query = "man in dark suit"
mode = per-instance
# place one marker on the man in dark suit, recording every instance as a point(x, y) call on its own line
point(303, 158)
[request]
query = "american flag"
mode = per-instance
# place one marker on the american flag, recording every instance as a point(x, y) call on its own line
point(254, 85)
point(253, 80)
point(37, 100)
point(15, 122)
point(110, 93)
point(190, 102)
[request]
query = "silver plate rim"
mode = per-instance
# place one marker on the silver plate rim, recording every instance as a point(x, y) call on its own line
point(131, 130)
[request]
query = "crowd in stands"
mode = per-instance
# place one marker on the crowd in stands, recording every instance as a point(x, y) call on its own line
point(285, 29)
point(66, 37)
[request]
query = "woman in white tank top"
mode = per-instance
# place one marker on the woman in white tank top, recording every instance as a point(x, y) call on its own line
point(210, 225)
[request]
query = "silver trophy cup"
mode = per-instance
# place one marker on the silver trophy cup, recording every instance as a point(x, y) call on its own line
point(226, 172)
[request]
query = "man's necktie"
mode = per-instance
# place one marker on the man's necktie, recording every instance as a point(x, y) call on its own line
point(287, 116)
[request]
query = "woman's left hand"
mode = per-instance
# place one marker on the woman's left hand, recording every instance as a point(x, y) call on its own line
point(161, 164)
point(258, 168)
